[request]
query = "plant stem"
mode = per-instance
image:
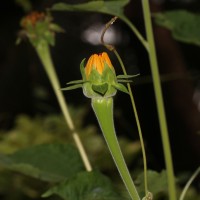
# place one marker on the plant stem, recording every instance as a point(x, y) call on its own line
point(136, 32)
point(137, 122)
point(112, 48)
point(159, 100)
point(43, 52)
point(103, 108)
point(189, 183)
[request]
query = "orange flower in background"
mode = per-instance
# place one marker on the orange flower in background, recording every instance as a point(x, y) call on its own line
point(97, 62)
point(32, 18)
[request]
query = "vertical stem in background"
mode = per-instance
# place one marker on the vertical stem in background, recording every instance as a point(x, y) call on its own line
point(159, 100)
point(44, 55)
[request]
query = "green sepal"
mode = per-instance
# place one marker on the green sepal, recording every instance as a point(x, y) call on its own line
point(89, 90)
point(101, 89)
point(99, 85)
point(122, 76)
point(107, 76)
point(73, 87)
point(121, 88)
point(96, 78)
point(124, 81)
point(56, 28)
point(41, 32)
point(82, 69)
point(76, 82)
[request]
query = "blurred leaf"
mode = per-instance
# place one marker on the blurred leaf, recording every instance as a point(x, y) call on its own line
point(157, 183)
point(184, 25)
point(86, 186)
point(25, 4)
point(52, 129)
point(56, 28)
point(111, 7)
point(49, 162)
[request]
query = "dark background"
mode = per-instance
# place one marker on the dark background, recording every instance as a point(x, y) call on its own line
point(22, 76)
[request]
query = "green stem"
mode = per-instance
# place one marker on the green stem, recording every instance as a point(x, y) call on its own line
point(189, 183)
point(137, 122)
point(103, 108)
point(43, 52)
point(136, 32)
point(159, 100)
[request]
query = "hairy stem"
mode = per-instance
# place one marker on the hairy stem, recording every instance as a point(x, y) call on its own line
point(43, 52)
point(103, 108)
point(159, 100)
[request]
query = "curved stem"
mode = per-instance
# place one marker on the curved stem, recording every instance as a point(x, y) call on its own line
point(136, 32)
point(103, 108)
point(189, 183)
point(159, 100)
point(137, 122)
point(112, 48)
point(44, 55)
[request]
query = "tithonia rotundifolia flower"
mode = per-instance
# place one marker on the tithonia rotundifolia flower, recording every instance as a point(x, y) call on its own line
point(98, 78)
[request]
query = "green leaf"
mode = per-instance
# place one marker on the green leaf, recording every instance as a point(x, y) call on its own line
point(184, 25)
point(121, 88)
point(47, 162)
point(73, 87)
point(86, 186)
point(126, 76)
point(157, 183)
point(101, 89)
point(25, 4)
point(111, 7)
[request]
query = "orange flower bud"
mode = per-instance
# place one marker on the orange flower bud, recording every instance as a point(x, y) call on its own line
point(98, 63)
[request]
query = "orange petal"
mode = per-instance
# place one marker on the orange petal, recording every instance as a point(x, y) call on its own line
point(106, 59)
point(88, 67)
point(98, 64)
point(101, 64)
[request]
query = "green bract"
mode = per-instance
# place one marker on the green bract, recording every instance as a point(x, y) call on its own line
point(98, 85)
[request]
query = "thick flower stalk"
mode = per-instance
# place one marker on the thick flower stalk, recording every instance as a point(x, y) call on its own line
point(100, 83)
point(40, 30)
